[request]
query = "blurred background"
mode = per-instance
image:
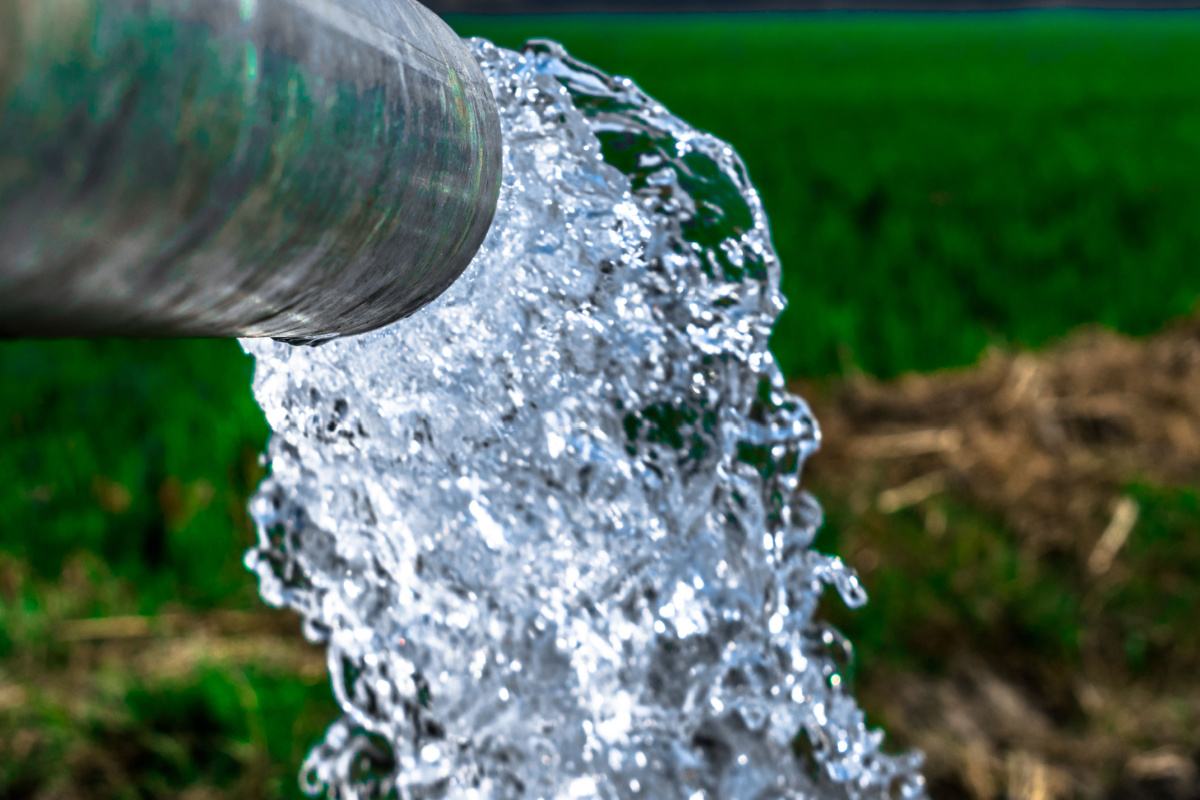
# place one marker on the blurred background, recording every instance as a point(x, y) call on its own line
point(990, 228)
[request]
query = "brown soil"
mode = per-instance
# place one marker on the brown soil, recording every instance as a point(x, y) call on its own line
point(1047, 444)
point(1046, 440)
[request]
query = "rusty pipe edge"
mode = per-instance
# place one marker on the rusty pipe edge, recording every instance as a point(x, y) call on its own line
point(300, 169)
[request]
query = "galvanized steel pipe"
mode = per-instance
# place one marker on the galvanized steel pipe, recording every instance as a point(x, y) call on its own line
point(290, 168)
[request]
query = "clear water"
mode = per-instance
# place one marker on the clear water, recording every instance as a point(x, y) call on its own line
point(550, 529)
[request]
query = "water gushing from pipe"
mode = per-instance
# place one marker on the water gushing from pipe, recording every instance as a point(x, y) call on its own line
point(551, 528)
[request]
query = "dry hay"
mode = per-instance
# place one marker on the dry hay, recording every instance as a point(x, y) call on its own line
point(985, 739)
point(1047, 440)
point(1048, 443)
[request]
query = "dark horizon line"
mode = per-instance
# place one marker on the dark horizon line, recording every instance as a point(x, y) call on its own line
point(518, 7)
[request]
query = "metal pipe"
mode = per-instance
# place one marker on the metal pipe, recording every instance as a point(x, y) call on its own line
point(291, 168)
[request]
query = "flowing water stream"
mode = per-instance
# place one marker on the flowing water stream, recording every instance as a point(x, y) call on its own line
point(550, 529)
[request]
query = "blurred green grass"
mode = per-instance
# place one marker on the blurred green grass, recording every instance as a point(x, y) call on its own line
point(928, 608)
point(935, 185)
point(140, 452)
point(938, 183)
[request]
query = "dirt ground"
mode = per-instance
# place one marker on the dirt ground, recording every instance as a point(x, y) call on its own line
point(1052, 468)
point(1028, 530)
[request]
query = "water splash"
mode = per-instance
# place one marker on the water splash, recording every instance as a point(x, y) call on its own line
point(550, 529)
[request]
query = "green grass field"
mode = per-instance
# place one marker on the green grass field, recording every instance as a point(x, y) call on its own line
point(935, 184)
point(939, 183)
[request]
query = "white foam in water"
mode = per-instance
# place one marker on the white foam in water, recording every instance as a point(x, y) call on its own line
point(550, 528)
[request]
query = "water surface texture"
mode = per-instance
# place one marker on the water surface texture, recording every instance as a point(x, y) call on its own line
point(551, 528)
